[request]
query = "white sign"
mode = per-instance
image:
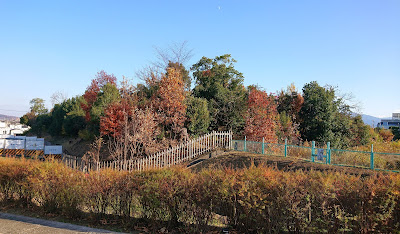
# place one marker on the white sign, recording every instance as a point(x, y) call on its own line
point(4, 136)
point(52, 149)
point(20, 137)
point(34, 144)
point(14, 144)
point(33, 138)
point(2, 143)
point(320, 154)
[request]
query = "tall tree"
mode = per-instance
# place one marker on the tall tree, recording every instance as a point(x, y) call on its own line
point(184, 73)
point(117, 113)
point(147, 91)
point(197, 116)
point(177, 53)
point(67, 117)
point(58, 114)
point(261, 117)
point(37, 118)
point(108, 94)
point(37, 106)
point(288, 130)
point(58, 97)
point(222, 86)
point(74, 121)
point(359, 131)
point(138, 137)
point(289, 103)
point(324, 116)
point(98, 96)
point(28, 119)
point(317, 113)
point(114, 120)
point(90, 95)
point(396, 133)
point(170, 102)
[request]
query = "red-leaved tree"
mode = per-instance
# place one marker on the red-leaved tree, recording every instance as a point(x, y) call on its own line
point(261, 117)
point(90, 95)
point(115, 117)
point(117, 114)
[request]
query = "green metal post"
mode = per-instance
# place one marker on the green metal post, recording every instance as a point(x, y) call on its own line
point(244, 143)
point(286, 147)
point(372, 156)
point(313, 151)
point(328, 153)
point(262, 146)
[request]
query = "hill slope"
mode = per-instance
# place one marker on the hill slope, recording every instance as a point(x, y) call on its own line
point(8, 118)
point(370, 120)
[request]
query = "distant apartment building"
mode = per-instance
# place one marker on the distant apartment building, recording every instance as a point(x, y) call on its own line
point(7, 128)
point(392, 122)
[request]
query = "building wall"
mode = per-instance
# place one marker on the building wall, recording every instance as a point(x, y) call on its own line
point(12, 129)
point(387, 123)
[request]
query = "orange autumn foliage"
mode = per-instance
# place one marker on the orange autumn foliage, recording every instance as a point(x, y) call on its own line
point(386, 135)
point(170, 101)
point(262, 117)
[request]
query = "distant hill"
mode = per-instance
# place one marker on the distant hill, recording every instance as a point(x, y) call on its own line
point(8, 118)
point(370, 120)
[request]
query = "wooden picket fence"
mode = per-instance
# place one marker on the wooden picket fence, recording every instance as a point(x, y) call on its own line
point(178, 154)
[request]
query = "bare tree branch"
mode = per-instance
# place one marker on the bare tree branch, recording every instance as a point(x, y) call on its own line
point(58, 97)
point(176, 53)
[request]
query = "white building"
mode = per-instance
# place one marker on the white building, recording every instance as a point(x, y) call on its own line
point(12, 129)
point(388, 123)
point(3, 128)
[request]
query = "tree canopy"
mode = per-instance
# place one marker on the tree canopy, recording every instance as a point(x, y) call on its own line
point(135, 120)
point(38, 106)
point(221, 85)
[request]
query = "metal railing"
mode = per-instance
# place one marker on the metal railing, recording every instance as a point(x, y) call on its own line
point(324, 154)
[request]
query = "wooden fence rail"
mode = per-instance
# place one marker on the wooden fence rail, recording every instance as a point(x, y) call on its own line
point(165, 158)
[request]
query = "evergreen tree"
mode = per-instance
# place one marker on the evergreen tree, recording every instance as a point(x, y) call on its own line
point(323, 116)
point(221, 85)
point(197, 115)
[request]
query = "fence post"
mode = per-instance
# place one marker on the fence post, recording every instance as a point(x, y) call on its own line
point(214, 140)
point(230, 140)
point(244, 143)
point(286, 147)
point(372, 157)
point(313, 151)
point(328, 153)
point(262, 149)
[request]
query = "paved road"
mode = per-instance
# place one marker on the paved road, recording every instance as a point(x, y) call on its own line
point(10, 223)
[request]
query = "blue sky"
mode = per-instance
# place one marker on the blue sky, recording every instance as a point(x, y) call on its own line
point(49, 46)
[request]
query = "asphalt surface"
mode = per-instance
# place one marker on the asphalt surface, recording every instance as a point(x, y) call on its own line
point(10, 223)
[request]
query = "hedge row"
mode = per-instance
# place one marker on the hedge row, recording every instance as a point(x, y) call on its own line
point(258, 199)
